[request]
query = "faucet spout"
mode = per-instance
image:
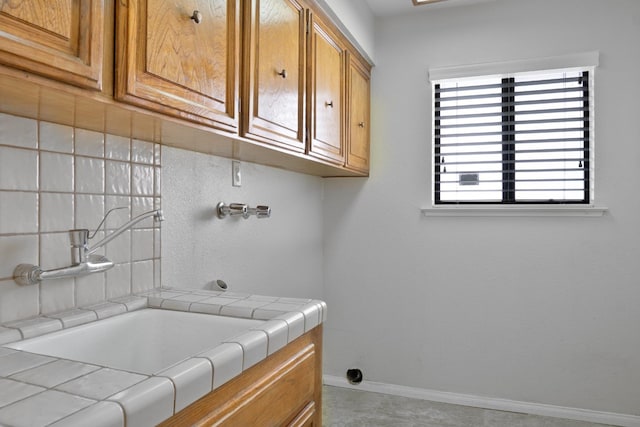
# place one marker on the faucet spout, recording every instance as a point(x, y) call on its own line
point(156, 214)
point(83, 259)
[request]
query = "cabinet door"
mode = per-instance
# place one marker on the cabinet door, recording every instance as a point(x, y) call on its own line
point(326, 94)
point(358, 116)
point(273, 95)
point(60, 39)
point(179, 57)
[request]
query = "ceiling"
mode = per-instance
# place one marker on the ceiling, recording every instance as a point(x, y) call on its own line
point(399, 7)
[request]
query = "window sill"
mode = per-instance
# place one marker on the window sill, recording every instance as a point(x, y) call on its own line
point(524, 211)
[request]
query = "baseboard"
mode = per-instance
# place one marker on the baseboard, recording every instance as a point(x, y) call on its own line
point(610, 418)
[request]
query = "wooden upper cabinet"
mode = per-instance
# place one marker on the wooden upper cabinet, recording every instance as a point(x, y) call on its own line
point(273, 101)
point(326, 89)
point(358, 115)
point(59, 39)
point(180, 57)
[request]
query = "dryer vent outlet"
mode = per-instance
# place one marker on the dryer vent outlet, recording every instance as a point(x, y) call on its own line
point(354, 376)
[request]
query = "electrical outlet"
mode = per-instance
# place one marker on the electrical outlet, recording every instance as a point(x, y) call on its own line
point(236, 175)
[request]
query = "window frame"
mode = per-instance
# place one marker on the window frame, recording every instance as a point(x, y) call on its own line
point(584, 62)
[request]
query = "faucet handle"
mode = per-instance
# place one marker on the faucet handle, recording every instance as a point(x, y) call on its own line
point(79, 237)
point(260, 211)
point(232, 209)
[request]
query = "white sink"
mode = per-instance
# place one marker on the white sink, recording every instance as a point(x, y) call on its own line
point(144, 341)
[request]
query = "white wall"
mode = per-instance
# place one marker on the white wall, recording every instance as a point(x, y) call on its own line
point(279, 256)
point(357, 19)
point(530, 309)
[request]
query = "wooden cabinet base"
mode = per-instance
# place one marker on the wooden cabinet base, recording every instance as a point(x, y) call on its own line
point(283, 390)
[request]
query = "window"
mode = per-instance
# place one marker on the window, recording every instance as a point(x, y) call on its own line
point(523, 138)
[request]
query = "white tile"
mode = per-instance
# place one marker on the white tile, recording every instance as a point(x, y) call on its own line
point(141, 276)
point(132, 302)
point(101, 414)
point(118, 216)
point(119, 281)
point(147, 403)
point(74, 317)
point(89, 143)
point(192, 379)
point(117, 147)
point(118, 177)
point(20, 361)
point(277, 333)
point(18, 302)
point(107, 309)
point(142, 151)
point(295, 320)
point(254, 347)
point(157, 273)
point(54, 250)
point(89, 211)
point(119, 249)
point(18, 212)
point(312, 316)
point(57, 295)
point(54, 373)
point(242, 308)
point(89, 175)
point(157, 154)
point(35, 327)
point(55, 137)
point(157, 243)
point(157, 182)
point(142, 180)
point(191, 297)
point(142, 245)
point(90, 289)
point(12, 391)
point(170, 304)
point(43, 409)
point(4, 351)
point(56, 212)
point(18, 131)
point(102, 383)
point(56, 172)
point(18, 169)
point(8, 335)
point(17, 250)
point(140, 205)
point(227, 362)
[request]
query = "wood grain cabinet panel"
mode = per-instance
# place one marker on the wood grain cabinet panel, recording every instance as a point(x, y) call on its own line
point(59, 39)
point(283, 390)
point(358, 115)
point(326, 94)
point(180, 57)
point(274, 79)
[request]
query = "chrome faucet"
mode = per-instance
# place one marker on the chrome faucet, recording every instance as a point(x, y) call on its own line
point(83, 258)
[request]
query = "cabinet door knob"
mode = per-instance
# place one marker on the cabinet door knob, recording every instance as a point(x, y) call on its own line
point(328, 104)
point(361, 124)
point(197, 16)
point(283, 73)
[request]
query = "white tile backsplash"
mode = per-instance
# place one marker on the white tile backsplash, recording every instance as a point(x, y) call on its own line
point(54, 178)
point(18, 212)
point(54, 137)
point(18, 131)
point(56, 172)
point(18, 169)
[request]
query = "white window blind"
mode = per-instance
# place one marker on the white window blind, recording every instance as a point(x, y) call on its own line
point(525, 138)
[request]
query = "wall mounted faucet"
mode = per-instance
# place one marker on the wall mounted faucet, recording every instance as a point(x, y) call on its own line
point(240, 209)
point(83, 258)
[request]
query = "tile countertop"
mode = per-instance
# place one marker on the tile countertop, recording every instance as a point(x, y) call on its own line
point(37, 390)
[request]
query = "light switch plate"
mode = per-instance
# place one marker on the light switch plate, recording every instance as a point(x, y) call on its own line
point(236, 175)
